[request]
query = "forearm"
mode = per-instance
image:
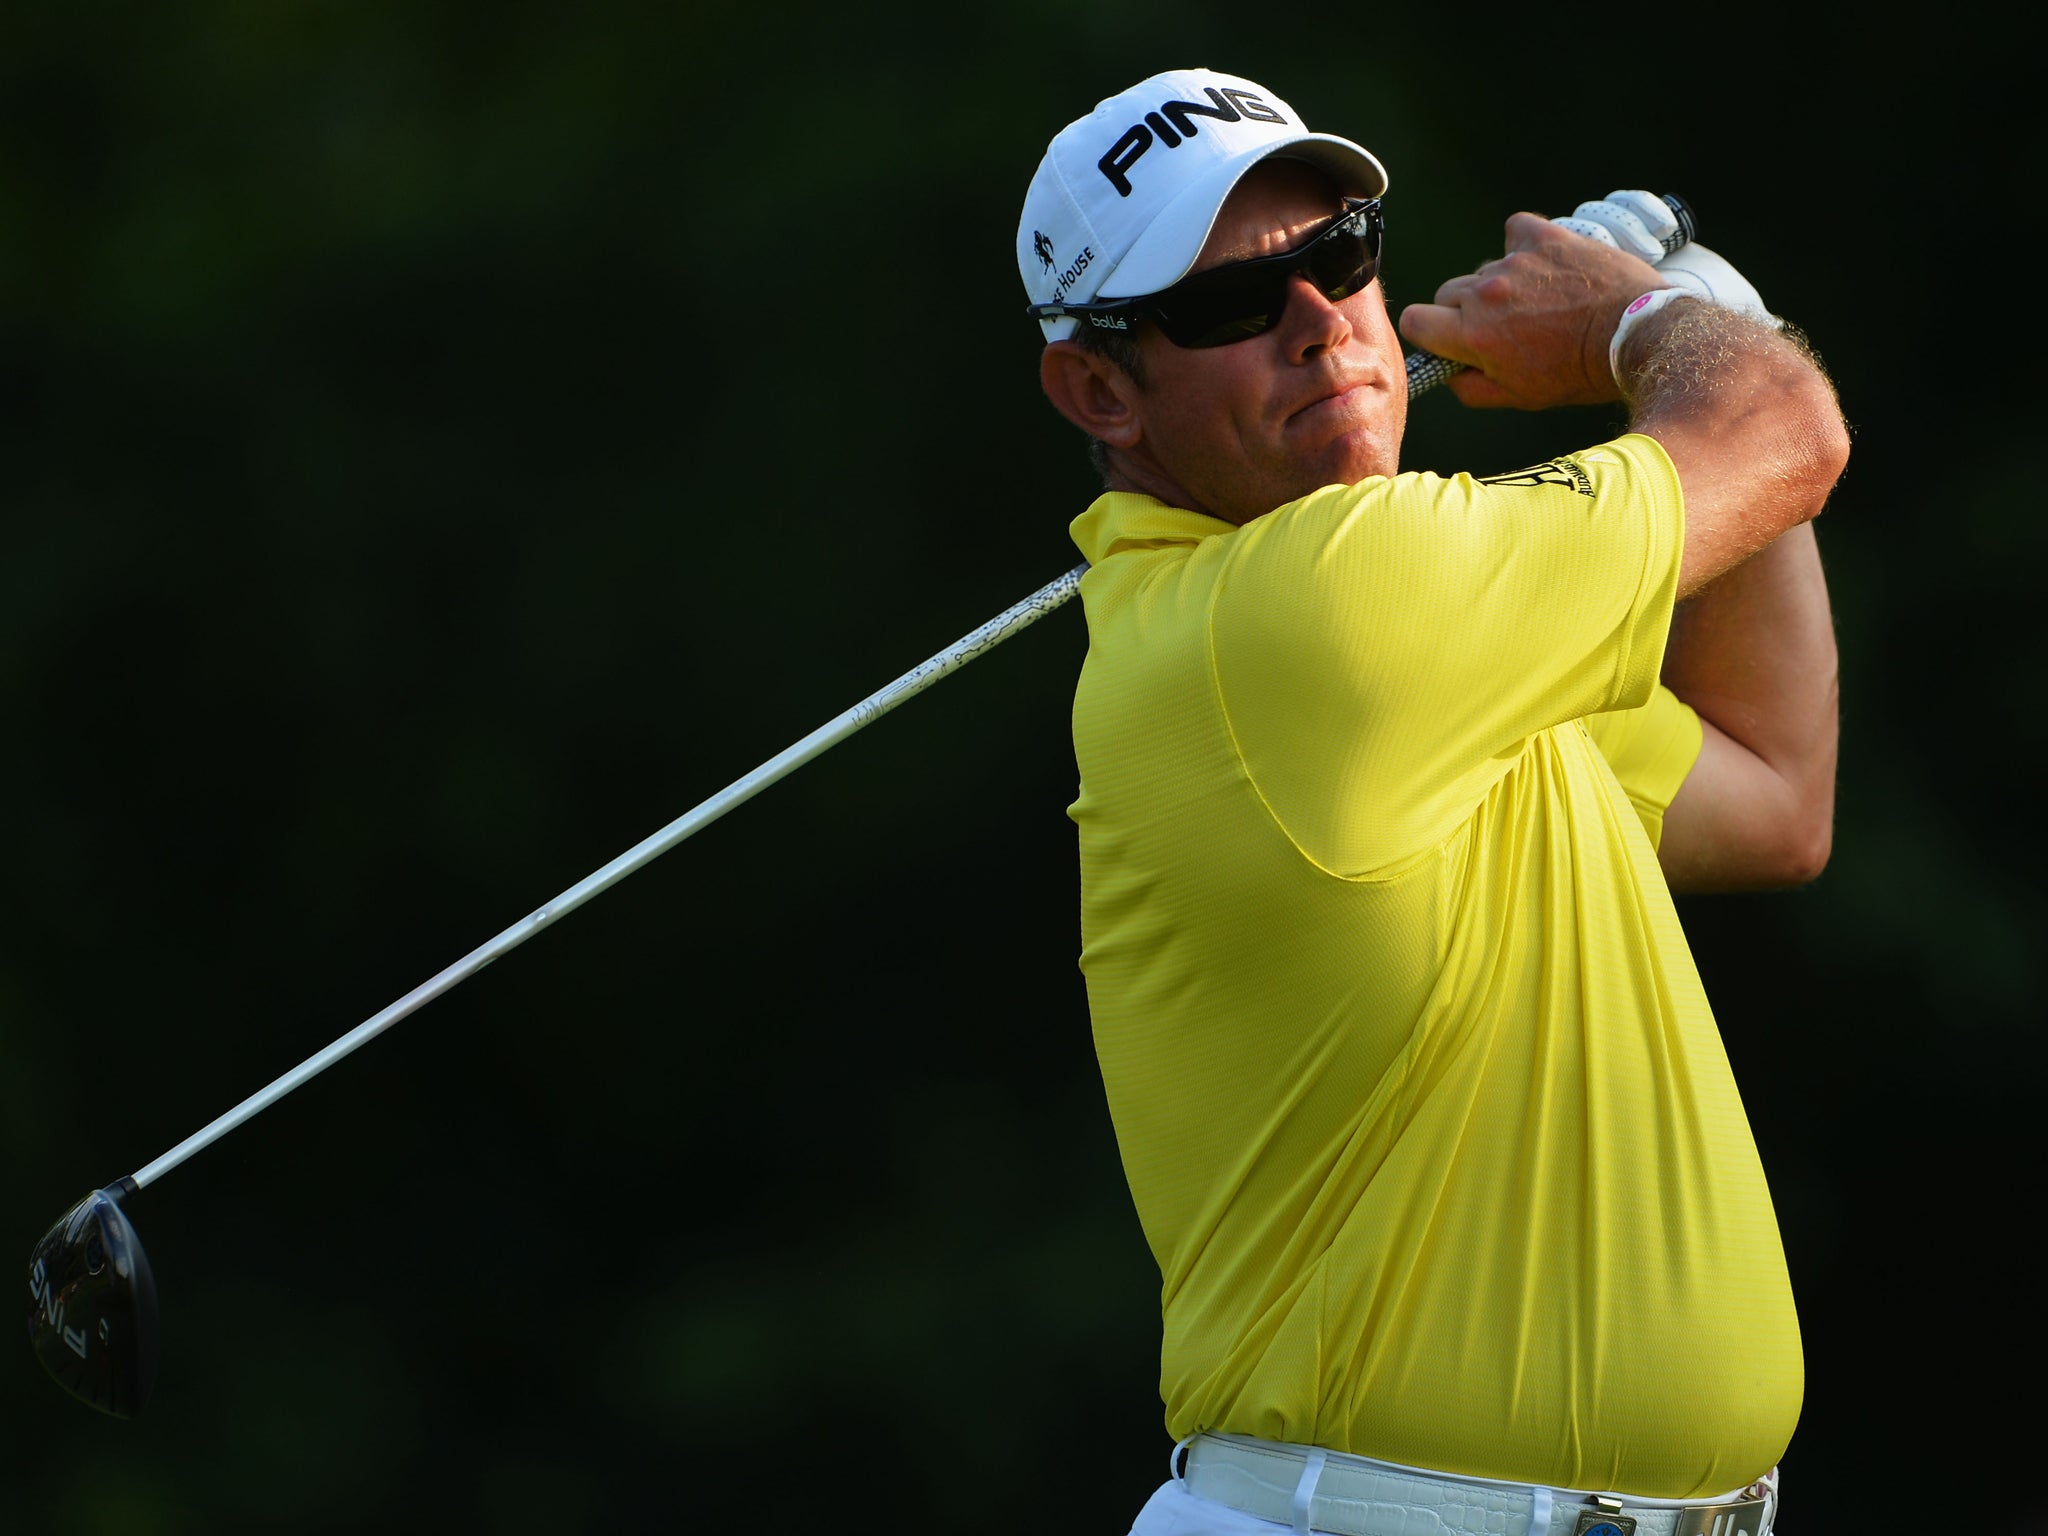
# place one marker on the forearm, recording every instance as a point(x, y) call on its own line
point(1743, 409)
point(1754, 653)
point(1749, 419)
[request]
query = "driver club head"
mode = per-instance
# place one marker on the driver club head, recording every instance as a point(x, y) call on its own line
point(92, 1305)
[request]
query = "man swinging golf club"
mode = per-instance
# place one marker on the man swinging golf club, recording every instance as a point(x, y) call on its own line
point(1423, 1109)
point(1386, 781)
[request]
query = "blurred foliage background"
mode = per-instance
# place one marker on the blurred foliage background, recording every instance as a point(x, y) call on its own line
point(440, 444)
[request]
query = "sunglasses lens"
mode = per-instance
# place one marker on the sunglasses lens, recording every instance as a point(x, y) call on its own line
point(1340, 267)
point(1234, 303)
point(1237, 305)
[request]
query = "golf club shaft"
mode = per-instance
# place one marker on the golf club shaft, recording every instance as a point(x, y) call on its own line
point(834, 731)
point(1424, 372)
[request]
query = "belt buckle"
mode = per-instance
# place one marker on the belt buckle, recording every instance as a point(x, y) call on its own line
point(1603, 1517)
point(1745, 1517)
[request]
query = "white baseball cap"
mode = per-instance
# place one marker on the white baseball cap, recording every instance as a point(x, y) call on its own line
point(1125, 197)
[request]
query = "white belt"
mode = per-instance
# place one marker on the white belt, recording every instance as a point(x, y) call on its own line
point(1311, 1489)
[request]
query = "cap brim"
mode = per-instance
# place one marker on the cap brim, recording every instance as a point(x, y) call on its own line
point(1163, 254)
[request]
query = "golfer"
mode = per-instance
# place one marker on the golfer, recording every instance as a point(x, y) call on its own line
point(1386, 780)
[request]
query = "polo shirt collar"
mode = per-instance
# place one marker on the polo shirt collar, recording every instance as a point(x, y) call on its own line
point(1120, 520)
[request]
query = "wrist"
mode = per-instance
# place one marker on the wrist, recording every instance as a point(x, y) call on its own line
point(1639, 310)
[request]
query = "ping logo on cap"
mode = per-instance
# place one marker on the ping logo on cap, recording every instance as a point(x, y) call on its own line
point(1173, 121)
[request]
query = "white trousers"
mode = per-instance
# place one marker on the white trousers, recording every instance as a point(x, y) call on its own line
point(1177, 1510)
point(1174, 1511)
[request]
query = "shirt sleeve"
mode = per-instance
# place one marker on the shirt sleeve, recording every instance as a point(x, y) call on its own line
point(1651, 749)
point(1384, 651)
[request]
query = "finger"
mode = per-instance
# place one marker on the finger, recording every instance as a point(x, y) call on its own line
point(1527, 231)
point(1589, 230)
point(1657, 217)
point(1477, 392)
point(1437, 328)
point(1619, 226)
point(1453, 292)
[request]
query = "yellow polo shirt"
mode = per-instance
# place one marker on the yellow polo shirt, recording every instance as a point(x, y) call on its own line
point(1424, 1112)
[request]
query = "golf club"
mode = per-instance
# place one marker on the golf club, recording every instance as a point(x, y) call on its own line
point(92, 1317)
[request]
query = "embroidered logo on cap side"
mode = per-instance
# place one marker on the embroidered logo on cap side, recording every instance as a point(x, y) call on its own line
point(1041, 242)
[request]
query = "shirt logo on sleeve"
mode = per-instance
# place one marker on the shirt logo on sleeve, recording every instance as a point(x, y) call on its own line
point(1565, 472)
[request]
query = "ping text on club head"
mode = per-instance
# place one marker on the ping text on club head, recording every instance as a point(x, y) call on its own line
point(45, 1295)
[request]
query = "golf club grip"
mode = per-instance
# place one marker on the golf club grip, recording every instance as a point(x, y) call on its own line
point(1426, 370)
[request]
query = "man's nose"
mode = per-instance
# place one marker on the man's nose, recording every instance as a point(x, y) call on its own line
point(1312, 322)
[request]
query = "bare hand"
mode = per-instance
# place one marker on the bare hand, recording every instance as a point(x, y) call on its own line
point(1533, 325)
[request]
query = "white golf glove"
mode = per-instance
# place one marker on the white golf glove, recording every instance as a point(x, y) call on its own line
point(1640, 223)
point(1636, 222)
point(1708, 274)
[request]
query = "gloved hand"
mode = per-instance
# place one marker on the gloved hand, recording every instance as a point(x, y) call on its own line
point(1708, 274)
point(1639, 223)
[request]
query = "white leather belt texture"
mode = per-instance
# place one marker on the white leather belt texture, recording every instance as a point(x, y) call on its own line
point(1311, 1489)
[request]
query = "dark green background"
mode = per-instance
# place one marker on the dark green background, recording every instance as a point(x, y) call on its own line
point(440, 444)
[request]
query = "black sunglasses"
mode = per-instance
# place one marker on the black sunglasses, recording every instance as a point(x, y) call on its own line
point(1231, 303)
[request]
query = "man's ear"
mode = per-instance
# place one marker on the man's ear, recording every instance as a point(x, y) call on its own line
point(1091, 392)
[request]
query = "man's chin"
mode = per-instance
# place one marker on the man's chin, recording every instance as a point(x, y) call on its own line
point(1352, 459)
point(1344, 447)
